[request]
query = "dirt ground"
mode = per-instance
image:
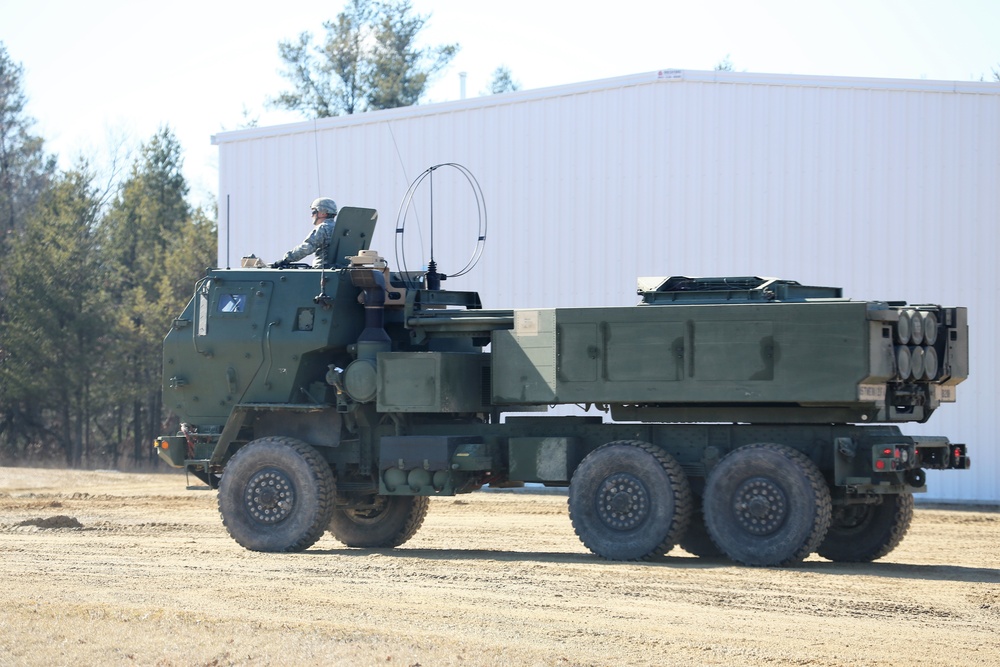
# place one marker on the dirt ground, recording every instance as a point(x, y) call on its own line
point(120, 569)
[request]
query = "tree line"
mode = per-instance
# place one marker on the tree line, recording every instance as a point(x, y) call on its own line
point(90, 274)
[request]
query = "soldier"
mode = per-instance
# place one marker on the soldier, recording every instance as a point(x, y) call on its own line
point(324, 210)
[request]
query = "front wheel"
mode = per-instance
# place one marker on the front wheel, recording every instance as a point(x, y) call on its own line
point(863, 533)
point(766, 505)
point(388, 522)
point(629, 500)
point(276, 494)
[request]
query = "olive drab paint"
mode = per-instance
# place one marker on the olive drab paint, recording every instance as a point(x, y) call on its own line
point(755, 417)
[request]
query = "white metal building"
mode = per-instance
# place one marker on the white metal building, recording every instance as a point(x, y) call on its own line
point(888, 188)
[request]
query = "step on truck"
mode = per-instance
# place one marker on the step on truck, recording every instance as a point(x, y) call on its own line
point(746, 417)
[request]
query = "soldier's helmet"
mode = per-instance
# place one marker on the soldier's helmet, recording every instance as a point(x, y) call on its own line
point(325, 204)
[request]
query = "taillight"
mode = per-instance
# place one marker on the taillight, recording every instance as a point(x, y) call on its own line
point(895, 457)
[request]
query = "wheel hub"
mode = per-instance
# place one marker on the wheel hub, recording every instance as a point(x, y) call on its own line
point(760, 506)
point(852, 517)
point(269, 496)
point(369, 515)
point(622, 502)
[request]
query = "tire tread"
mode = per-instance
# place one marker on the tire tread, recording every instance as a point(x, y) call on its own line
point(842, 549)
point(682, 499)
point(323, 476)
point(820, 492)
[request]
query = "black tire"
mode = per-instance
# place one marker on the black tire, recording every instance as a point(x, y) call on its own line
point(766, 505)
point(629, 500)
point(863, 533)
point(391, 522)
point(276, 494)
point(696, 540)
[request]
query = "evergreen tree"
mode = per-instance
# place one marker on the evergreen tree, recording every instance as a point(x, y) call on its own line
point(24, 167)
point(148, 213)
point(502, 82)
point(25, 171)
point(57, 328)
point(150, 208)
point(724, 65)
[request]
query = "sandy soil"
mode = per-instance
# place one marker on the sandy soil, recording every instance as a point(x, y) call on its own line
point(112, 568)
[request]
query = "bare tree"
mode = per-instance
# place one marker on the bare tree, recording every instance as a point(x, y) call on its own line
point(369, 60)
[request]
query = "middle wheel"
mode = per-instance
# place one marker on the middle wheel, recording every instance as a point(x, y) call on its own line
point(766, 505)
point(389, 522)
point(629, 500)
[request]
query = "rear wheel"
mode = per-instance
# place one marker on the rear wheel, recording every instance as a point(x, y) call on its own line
point(696, 540)
point(629, 500)
point(863, 533)
point(389, 522)
point(276, 494)
point(766, 505)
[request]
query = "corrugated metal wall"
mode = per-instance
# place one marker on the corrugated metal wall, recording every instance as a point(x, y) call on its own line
point(890, 189)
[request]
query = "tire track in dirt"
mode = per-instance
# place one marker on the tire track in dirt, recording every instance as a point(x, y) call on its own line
point(151, 577)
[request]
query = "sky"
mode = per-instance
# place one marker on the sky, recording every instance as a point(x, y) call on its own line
point(106, 73)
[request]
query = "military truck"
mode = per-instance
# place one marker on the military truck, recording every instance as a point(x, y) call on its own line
point(746, 417)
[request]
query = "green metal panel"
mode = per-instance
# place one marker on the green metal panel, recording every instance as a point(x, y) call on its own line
point(636, 351)
point(211, 358)
point(544, 459)
point(740, 350)
point(237, 343)
point(750, 353)
point(431, 382)
point(524, 368)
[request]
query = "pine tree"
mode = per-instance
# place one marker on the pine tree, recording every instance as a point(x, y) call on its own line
point(58, 321)
point(25, 169)
point(148, 213)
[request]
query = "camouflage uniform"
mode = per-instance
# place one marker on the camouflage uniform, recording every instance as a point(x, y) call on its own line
point(317, 242)
point(320, 241)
